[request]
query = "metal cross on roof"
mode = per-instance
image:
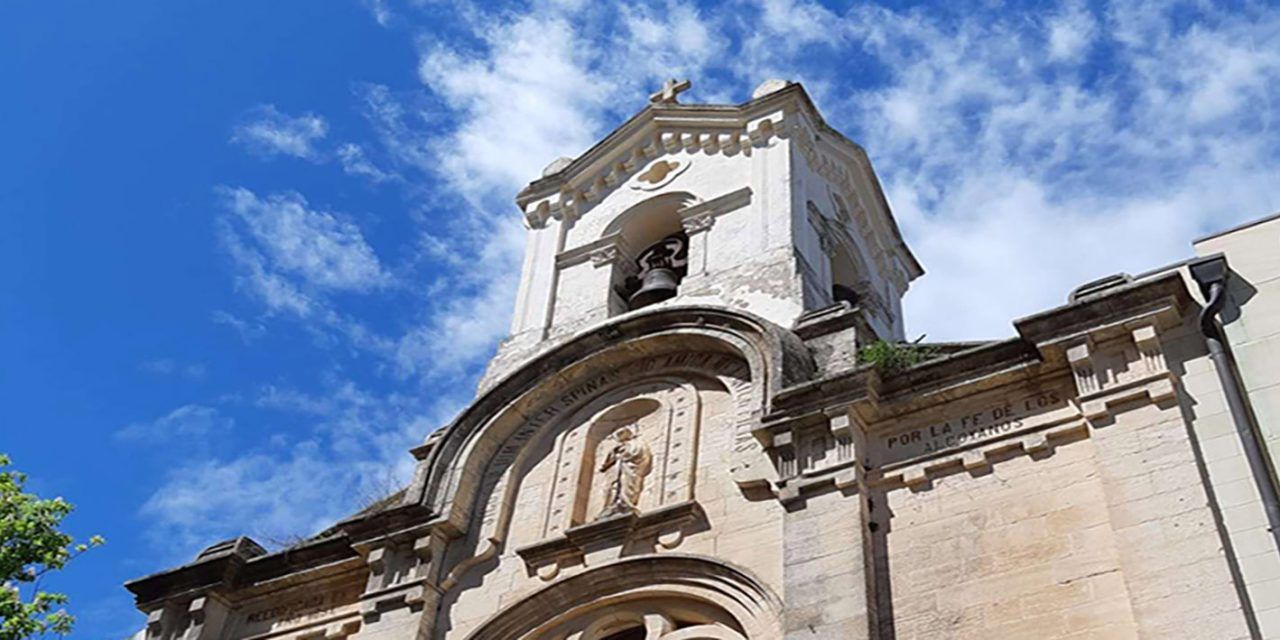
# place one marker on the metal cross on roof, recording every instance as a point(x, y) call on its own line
point(670, 91)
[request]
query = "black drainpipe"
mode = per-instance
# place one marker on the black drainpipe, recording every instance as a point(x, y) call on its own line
point(1211, 273)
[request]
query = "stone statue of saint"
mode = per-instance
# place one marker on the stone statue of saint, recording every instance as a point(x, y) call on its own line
point(630, 461)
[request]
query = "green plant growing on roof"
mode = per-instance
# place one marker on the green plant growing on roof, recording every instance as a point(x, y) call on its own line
point(892, 355)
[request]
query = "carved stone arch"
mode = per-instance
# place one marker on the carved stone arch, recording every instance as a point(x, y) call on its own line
point(738, 606)
point(448, 476)
point(597, 393)
point(572, 497)
point(565, 439)
point(666, 204)
point(703, 632)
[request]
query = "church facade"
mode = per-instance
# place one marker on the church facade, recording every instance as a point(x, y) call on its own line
point(706, 425)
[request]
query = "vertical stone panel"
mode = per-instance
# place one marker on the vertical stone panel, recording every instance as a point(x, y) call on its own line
point(824, 584)
point(1172, 557)
point(1021, 549)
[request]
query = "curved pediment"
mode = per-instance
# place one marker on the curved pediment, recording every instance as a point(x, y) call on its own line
point(751, 354)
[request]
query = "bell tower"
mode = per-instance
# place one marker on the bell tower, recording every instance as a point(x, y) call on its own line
point(760, 207)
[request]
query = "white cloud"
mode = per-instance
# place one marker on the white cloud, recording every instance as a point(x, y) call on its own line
point(190, 422)
point(527, 99)
point(268, 132)
point(1016, 182)
point(277, 496)
point(1070, 31)
point(354, 450)
point(669, 41)
point(275, 291)
point(354, 162)
point(320, 248)
point(380, 11)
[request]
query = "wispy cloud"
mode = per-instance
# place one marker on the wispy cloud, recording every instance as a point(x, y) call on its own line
point(188, 422)
point(266, 131)
point(354, 162)
point(1071, 31)
point(171, 367)
point(379, 9)
point(247, 330)
point(1019, 175)
point(289, 252)
point(353, 451)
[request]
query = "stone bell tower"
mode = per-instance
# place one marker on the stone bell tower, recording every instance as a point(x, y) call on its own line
point(760, 207)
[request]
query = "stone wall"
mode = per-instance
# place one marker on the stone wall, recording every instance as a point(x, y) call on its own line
point(1024, 548)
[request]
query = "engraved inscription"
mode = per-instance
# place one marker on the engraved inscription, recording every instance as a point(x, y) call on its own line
point(302, 609)
point(984, 423)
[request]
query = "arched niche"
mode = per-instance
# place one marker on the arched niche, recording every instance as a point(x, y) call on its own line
point(648, 228)
point(454, 460)
point(648, 221)
point(642, 416)
point(669, 596)
point(551, 480)
point(663, 412)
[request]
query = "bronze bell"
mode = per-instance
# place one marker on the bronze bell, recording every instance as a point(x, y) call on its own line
point(658, 284)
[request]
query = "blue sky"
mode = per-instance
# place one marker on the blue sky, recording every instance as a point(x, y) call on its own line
point(250, 252)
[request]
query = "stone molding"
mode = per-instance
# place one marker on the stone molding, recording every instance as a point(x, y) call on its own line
point(1098, 393)
point(836, 317)
point(730, 130)
point(1071, 345)
point(730, 137)
point(700, 217)
point(982, 457)
point(667, 525)
point(601, 252)
point(775, 358)
point(332, 631)
point(612, 248)
point(740, 593)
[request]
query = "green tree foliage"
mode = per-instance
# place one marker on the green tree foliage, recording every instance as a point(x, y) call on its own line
point(31, 545)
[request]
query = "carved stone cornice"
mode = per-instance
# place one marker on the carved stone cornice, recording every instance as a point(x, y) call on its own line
point(666, 525)
point(601, 252)
point(700, 217)
point(657, 130)
point(402, 548)
point(1145, 373)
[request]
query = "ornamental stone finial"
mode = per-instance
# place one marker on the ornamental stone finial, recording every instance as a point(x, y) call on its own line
point(767, 87)
point(671, 90)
